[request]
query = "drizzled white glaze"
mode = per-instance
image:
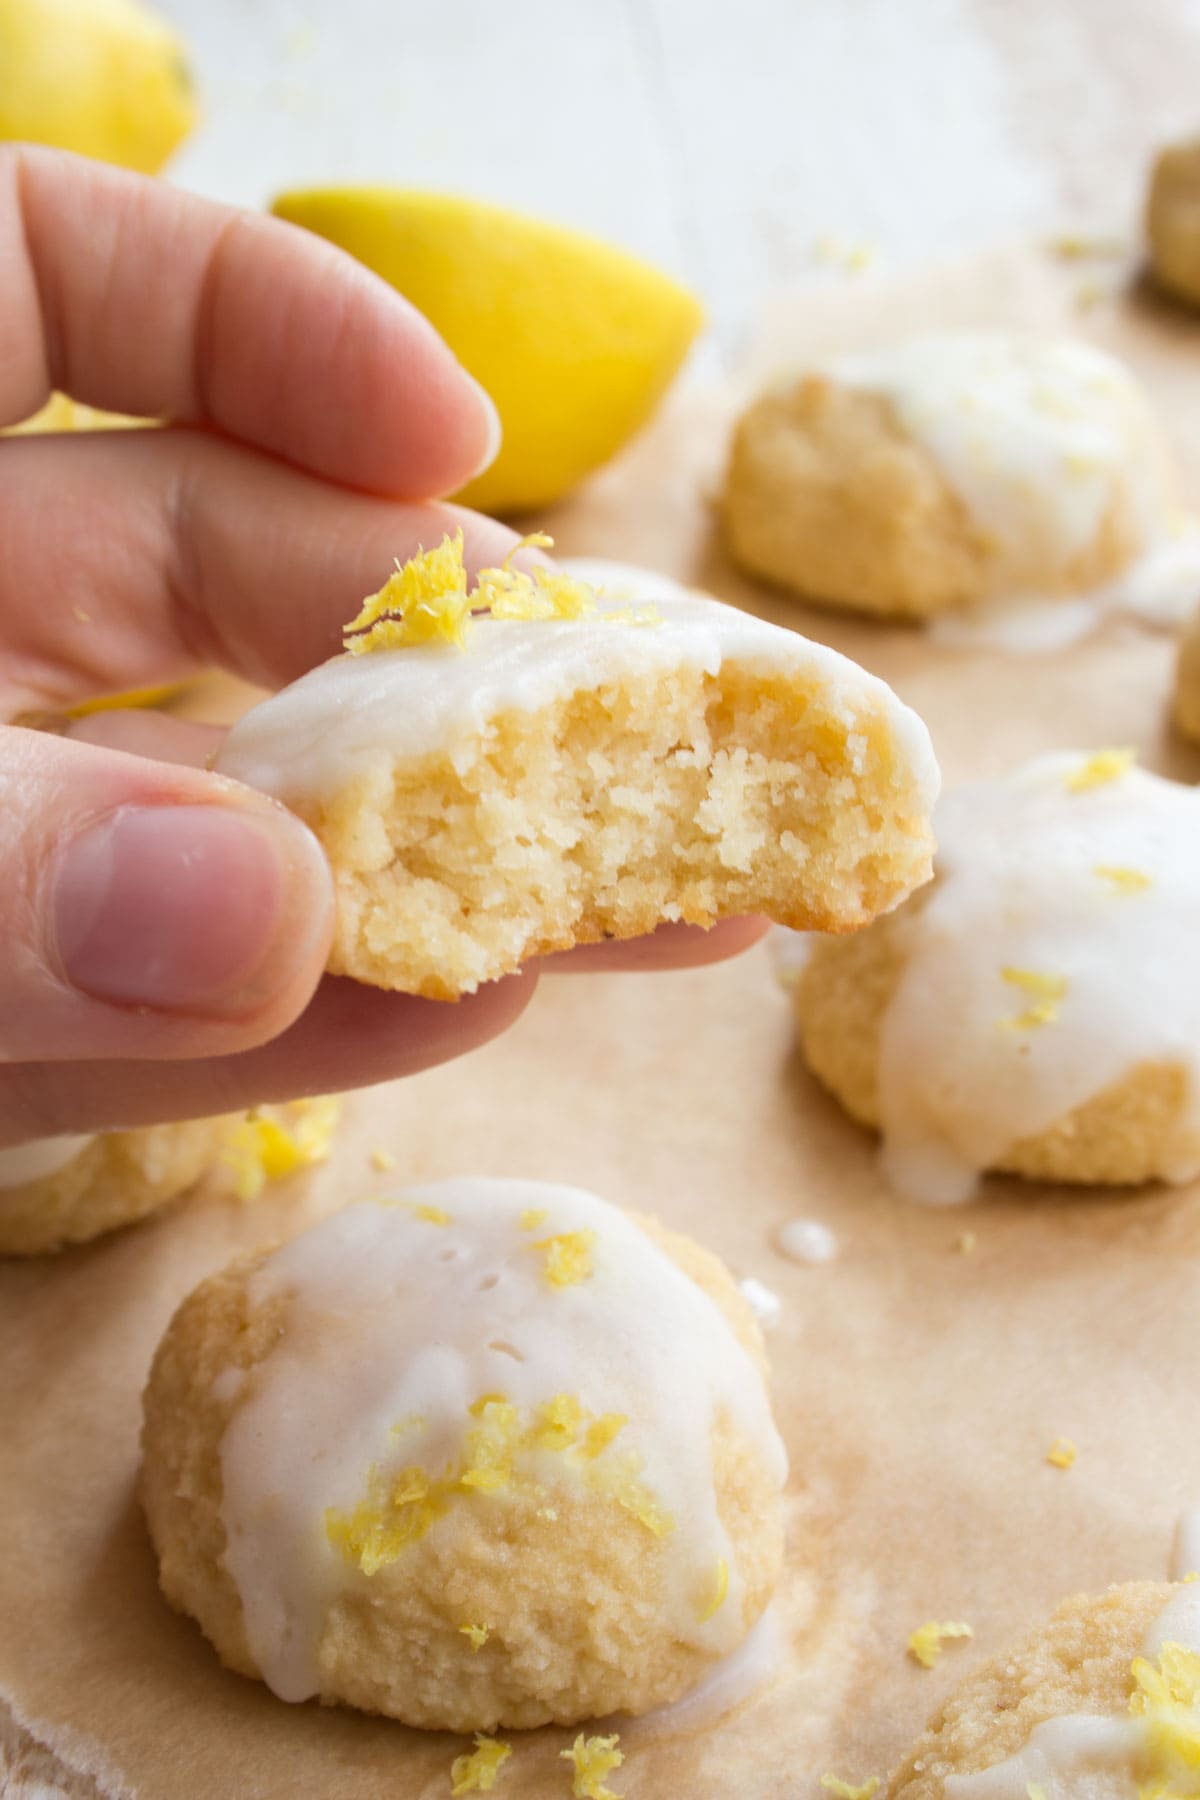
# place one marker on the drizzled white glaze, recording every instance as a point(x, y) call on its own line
point(1085, 1756)
point(745, 1672)
point(1020, 886)
point(392, 1318)
point(44, 1156)
point(357, 714)
point(806, 1241)
point(1038, 438)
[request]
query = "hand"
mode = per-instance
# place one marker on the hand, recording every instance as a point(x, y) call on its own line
point(162, 931)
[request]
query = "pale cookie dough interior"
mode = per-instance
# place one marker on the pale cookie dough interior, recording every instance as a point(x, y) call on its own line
point(68, 1190)
point(1173, 220)
point(481, 1453)
point(1102, 1703)
point(1037, 1010)
point(1013, 487)
point(551, 780)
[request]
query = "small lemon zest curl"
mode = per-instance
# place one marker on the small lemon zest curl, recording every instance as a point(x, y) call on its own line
point(271, 1143)
point(720, 1589)
point(476, 1772)
point(533, 1216)
point(1166, 1700)
point(846, 1790)
point(568, 1257)
point(594, 1758)
point(478, 1634)
point(1046, 991)
point(427, 599)
point(925, 1643)
point(1098, 770)
point(1062, 1453)
point(1125, 880)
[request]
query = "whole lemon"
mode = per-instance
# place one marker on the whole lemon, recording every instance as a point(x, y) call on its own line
point(106, 78)
point(574, 340)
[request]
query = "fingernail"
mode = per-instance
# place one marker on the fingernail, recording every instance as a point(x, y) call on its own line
point(495, 429)
point(204, 909)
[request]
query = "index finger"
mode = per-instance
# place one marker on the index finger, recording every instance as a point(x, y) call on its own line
point(135, 297)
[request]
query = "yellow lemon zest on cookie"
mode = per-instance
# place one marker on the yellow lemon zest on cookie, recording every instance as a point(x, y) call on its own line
point(594, 1758)
point(264, 1148)
point(556, 1423)
point(423, 600)
point(476, 1772)
point(1166, 1699)
point(432, 1215)
point(846, 1790)
point(1062, 1453)
point(392, 1516)
point(568, 1257)
point(533, 1216)
point(617, 1478)
point(1047, 992)
point(720, 1589)
point(600, 1434)
point(925, 1643)
point(478, 1635)
point(1126, 881)
point(1096, 771)
point(509, 593)
point(491, 1445)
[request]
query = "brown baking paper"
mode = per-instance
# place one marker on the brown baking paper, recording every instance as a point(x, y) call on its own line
point(918, 1387)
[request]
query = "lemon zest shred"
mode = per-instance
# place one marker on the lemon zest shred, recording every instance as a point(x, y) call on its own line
point(1099, 769)
point(478, 1634)
point(269, 1144)
point(568, 1257)
point(846, 1790)
point(475, 1772)
point(423, 600)
point(1125, 880)
point(1166, 1699)
point(720, 1589)
point(491, 1446)
point(1047, 992)
point(432, 1215)
point(1062, 1453)
point(925, 1643)
point(556, 1424)
point(533, 1216)
point(593, 1759)
point(600, 1434)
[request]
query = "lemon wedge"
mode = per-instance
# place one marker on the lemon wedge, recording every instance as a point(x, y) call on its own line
point(575, 341)
point(106, 78)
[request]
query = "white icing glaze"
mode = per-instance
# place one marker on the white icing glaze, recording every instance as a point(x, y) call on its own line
point(1084, 1756)
point(393, 1318)
point(44, 1156)
point(1037, 438)
point(763, 1301)
point(1185, 1559)
point(730, 1682)
point(806, 1241)
point(356, 715)
point(1020, 887)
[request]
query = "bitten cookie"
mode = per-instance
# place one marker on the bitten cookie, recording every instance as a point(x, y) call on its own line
point(515, 769)
point(1102, 1703)
point(959, 473)
point(67, 1190)
point(1037, 1009)
point(1173, 220)
point(474, 1454)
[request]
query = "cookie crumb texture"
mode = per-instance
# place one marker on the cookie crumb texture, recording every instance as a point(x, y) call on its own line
point(507, 1557)
point(1078, 1662)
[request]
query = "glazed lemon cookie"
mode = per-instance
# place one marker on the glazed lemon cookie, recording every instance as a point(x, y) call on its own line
point(966, 476)
point(67, 1190)
point(1173, 220)
point(1103, 1703)
point(1037, 1009)
point(475, 1454)
point(516, 769)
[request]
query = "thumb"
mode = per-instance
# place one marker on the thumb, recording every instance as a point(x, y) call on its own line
point(148, 910)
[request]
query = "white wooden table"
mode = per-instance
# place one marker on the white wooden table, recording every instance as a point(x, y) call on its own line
point(738, 143)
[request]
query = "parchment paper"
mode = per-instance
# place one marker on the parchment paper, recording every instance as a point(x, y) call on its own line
point(918, 1388)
